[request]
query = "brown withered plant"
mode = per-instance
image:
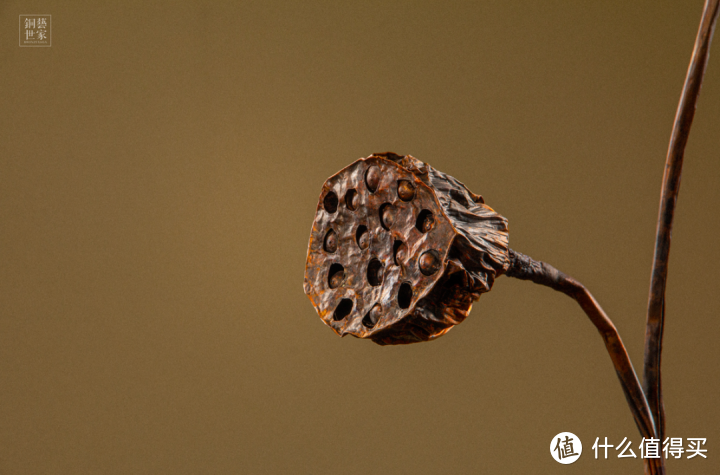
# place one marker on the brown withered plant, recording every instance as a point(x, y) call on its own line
point(399, 251)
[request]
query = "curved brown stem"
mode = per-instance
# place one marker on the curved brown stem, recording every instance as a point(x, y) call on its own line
point(526, 268)
point(670, 189)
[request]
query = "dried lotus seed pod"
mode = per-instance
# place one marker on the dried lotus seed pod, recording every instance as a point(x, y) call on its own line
point(399, 251)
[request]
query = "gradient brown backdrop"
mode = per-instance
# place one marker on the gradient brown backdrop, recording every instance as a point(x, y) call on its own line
point(159, 171)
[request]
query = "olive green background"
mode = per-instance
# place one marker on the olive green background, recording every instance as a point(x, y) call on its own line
point(160, 166)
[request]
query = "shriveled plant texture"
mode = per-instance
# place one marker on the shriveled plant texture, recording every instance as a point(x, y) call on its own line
point(399, 250)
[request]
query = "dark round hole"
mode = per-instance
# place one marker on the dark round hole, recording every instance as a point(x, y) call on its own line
point(330, 202)
point(405, 294)
point(375, 272)
point(330, 244)
point(352, 199)
point(425, 221)
point(429, 262)
point(459, 197)
point(343, 309)
point(336, 275)
point(372, 317)
point(372, 178)
point(362, 237)
point(406, 190)
point(387, 215)
point(399, 252)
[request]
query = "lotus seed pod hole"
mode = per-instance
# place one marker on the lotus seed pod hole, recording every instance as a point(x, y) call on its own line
point(387, 215)
point(330, 244)
point(362, 237)
point(375, 272)
point(425, 221)
point(406, 190)
point(330, 203)
point(336, 275)
point(343, 309)
point(429, 262)
point(351, 199)
point(372, 317)
point(372, 178)
point(404, 297)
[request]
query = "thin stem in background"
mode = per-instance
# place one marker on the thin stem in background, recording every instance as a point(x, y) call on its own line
point(526, 268)
point(671, 186)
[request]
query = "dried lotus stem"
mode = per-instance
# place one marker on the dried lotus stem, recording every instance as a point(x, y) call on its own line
point(668, 199)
